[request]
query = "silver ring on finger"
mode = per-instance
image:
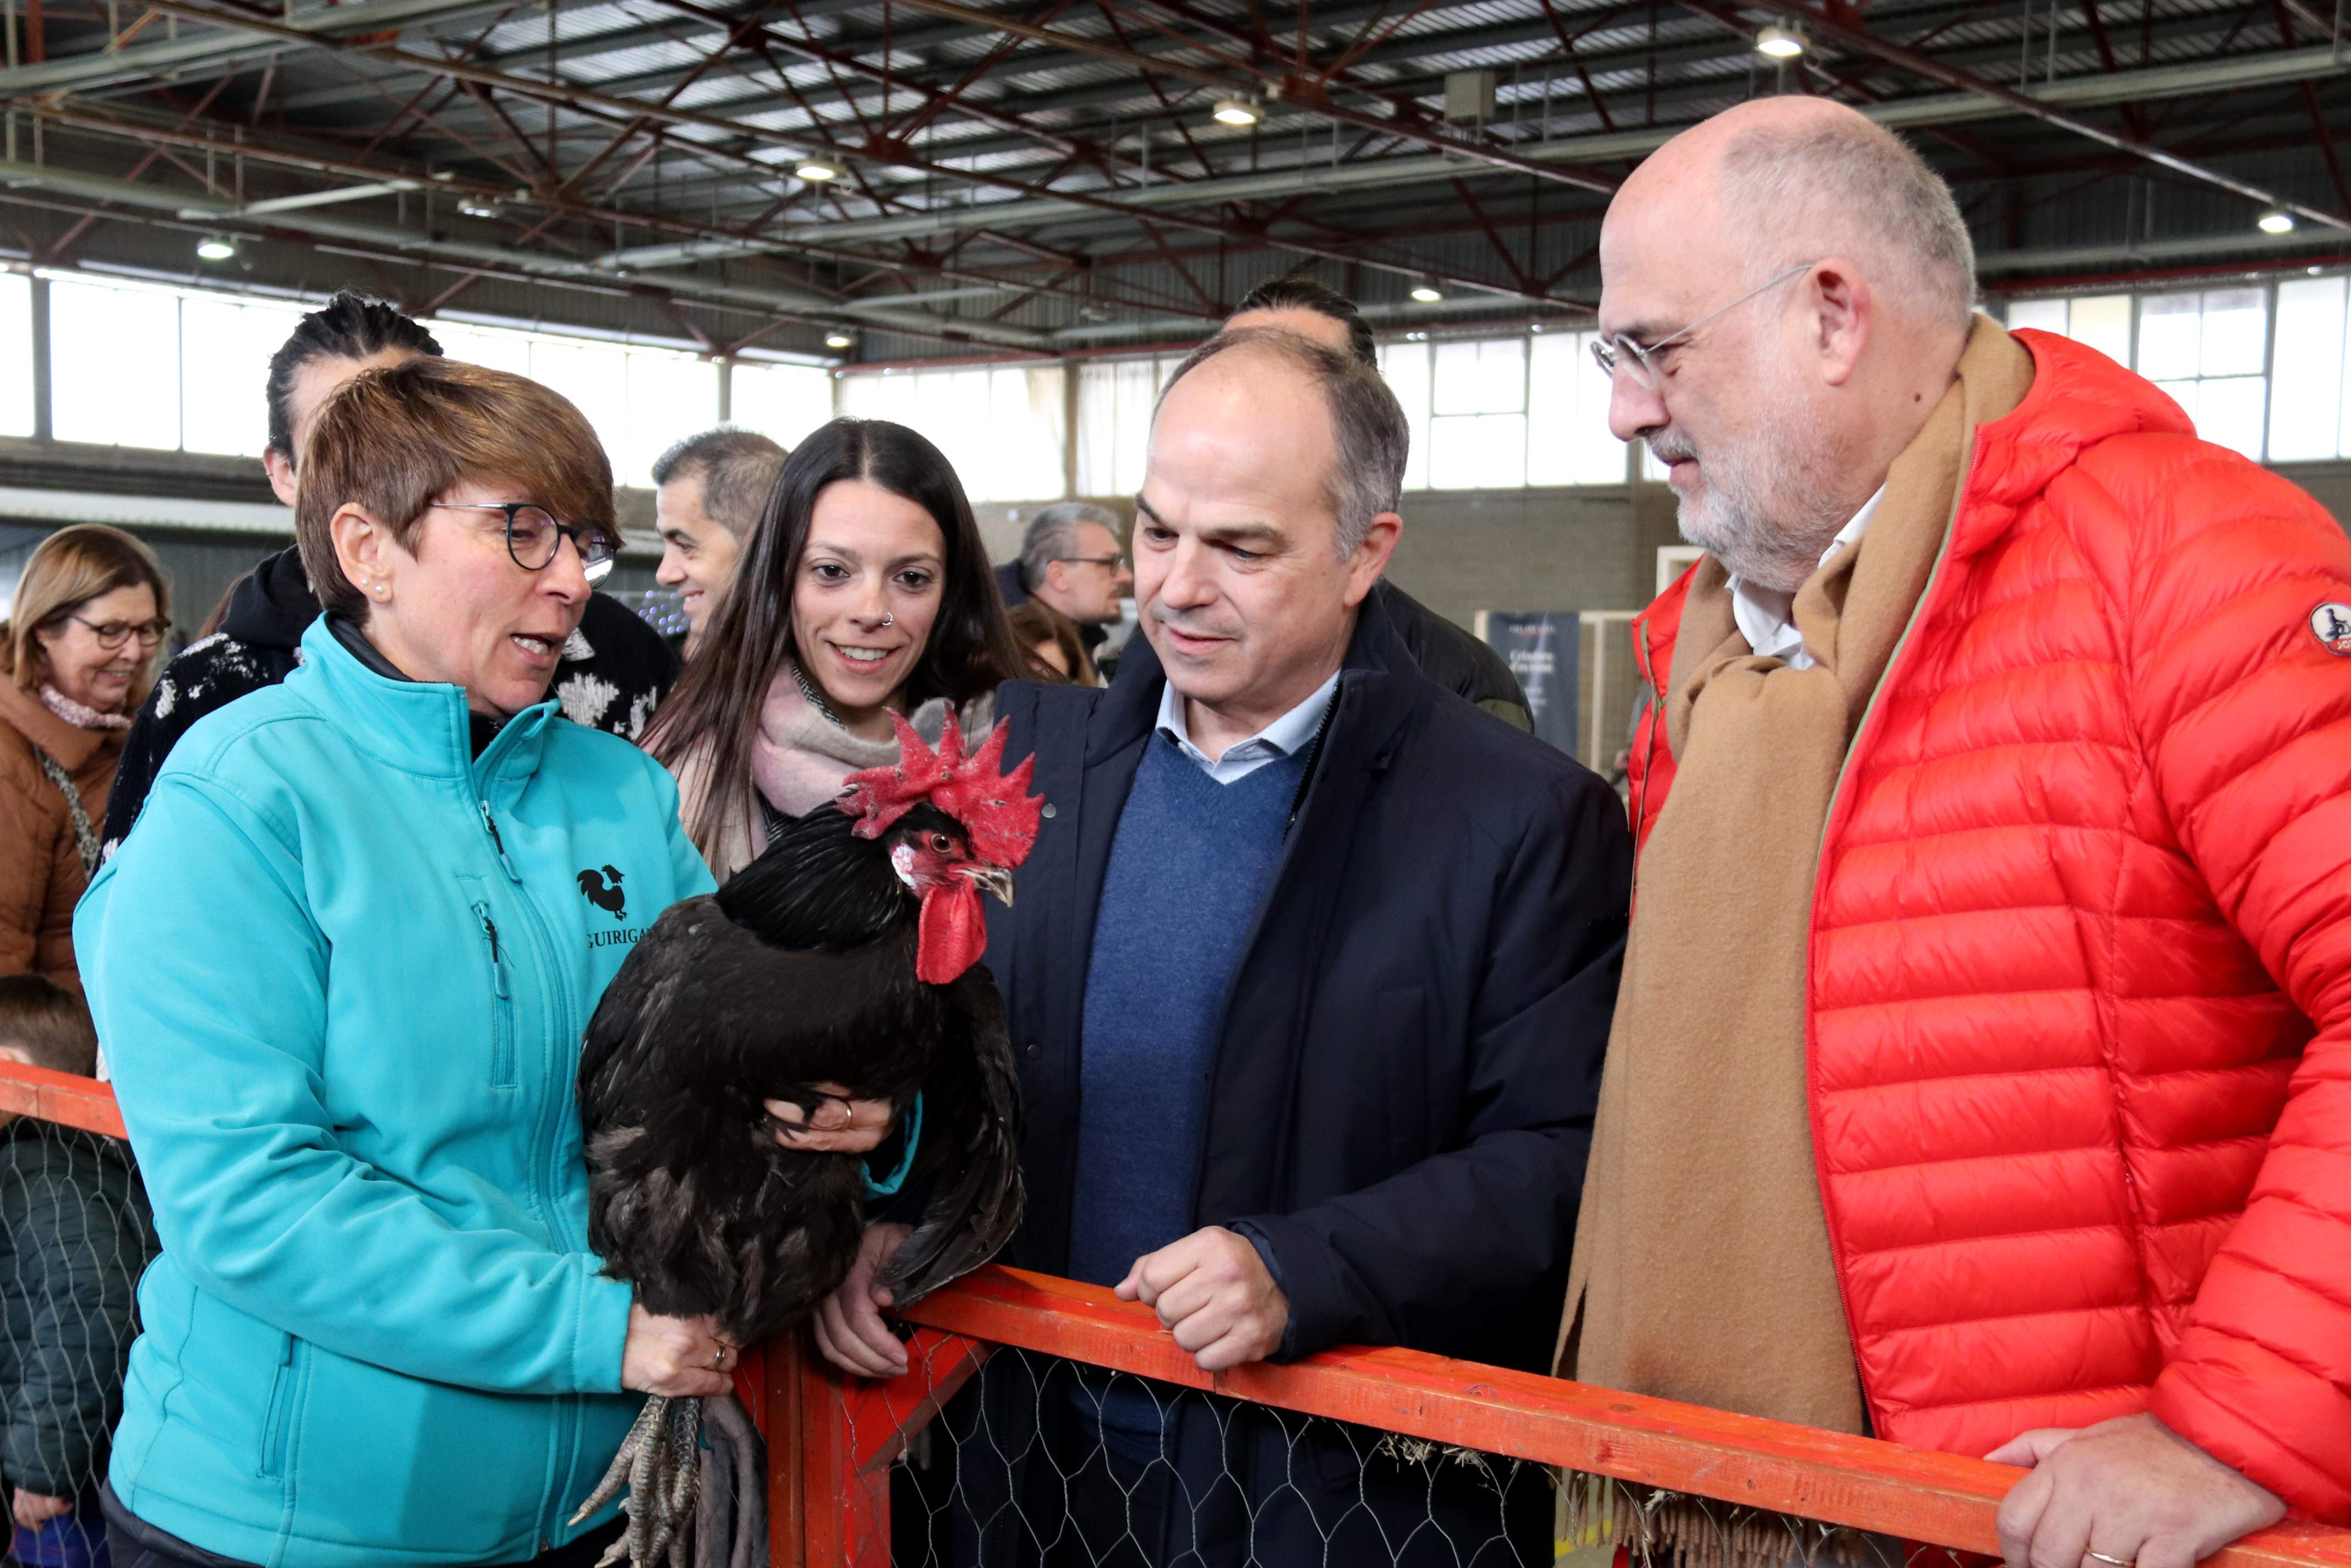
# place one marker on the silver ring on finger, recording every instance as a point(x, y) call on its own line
point(2111, 1562)
point(718, 1359)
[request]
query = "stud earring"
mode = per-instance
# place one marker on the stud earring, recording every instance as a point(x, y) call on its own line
point(381, 591)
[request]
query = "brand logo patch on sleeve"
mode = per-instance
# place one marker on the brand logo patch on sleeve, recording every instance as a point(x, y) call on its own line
point(2331, 624)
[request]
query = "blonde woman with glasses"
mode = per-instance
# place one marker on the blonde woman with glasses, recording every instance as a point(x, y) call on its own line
point(90, 611)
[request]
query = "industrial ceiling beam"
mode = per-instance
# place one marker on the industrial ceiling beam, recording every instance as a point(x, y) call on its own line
point(1860, 40)
point(2121, 86)
point(505, 260)
point(140, 62)
point(1300, 92)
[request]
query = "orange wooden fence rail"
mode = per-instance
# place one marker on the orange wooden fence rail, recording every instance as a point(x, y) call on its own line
point(831, 1439)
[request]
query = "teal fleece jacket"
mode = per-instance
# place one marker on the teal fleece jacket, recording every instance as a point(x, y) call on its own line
point(340, 971)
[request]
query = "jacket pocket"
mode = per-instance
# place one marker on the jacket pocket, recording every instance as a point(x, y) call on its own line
point(279, 1414)
point(502, 1021)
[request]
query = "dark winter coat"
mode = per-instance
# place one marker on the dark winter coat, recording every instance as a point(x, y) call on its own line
point(1403, 1096)
point(74, 1237)
point(1455, 660)
point(614, 671)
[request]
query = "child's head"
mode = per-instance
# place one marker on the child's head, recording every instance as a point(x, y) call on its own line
point(43, 1025)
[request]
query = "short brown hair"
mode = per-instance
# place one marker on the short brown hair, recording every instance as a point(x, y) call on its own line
point(1035, 623)
point(47, 1023)
point(65, 572)
point(391, 440)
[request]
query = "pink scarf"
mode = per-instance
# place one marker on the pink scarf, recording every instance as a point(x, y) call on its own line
point(75, 714)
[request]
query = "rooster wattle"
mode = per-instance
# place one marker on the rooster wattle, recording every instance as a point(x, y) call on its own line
point(847, 955)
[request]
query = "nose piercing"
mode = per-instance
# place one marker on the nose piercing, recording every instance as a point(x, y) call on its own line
point(891, 619)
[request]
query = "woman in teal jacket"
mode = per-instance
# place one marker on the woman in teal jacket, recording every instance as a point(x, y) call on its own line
point(340, 971)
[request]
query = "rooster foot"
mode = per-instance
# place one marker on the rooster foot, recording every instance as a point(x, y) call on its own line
point(660, 1463)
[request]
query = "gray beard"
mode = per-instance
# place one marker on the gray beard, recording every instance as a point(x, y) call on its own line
point(1763, 514)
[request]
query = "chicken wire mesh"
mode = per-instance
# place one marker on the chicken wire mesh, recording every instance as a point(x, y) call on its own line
point(1038, 1460)
point(75, 1235)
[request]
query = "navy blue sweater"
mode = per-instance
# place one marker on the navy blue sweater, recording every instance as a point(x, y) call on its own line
point(1188, 868)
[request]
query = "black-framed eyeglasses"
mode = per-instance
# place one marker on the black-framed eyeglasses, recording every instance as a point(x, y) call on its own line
point(533, 535)
point(1112, 561)
point(112, 634)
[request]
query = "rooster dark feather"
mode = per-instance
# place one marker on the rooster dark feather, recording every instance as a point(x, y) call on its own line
point(846, 954)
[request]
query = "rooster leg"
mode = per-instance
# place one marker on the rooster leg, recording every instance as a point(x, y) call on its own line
point(660, 1463)
point(616, 1475)
point(673, 1484)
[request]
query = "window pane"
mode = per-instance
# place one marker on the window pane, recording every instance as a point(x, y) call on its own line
point(1406, 367)
point(2236, 332)
point(1487, 376)
point(595, 377)
point(783, 402)
point(1098, 430)
point(1026, 431)
point(484, 346)
point(1568, 441)
point(2103, 322)
point(1478, 452)
point(2044, 315)
point(2170, 335)
point(114, 364)
point(886, 395)
point(16, 354)
point(2184, 394)
point(2305, 410)
point(2229, 413)
point(1135, 392)
point(224, 350)
point(671, 397)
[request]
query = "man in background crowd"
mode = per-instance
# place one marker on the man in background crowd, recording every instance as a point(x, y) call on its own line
point(708, 492)
point(1983, 1074)
point(1071, 563)
point(75, 1235)
point(1446, 654)
point(613, 671)
point(1309, 976)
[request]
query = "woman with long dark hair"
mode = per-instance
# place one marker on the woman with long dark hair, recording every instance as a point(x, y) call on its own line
point(865, 591)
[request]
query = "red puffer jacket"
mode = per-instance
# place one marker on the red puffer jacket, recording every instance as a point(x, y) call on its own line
point(2079, 1024)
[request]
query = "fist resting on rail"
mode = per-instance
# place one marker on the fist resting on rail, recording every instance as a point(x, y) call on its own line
point(1213, 1292)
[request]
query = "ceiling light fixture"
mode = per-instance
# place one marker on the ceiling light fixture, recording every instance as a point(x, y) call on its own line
point(817, 171)
point(838, 339)
point(216, 247)
point(1781, 43)
point(2275, 222)
point(475, 206)
point(1426, 292)
point(1236, 111)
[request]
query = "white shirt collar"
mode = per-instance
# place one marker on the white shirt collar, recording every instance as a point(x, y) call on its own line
point(1282, 737)
point(1767, 618)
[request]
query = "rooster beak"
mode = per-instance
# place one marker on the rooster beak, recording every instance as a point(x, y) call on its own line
point(992, 879)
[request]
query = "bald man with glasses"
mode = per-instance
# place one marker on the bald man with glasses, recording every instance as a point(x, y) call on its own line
point(1981, 1077)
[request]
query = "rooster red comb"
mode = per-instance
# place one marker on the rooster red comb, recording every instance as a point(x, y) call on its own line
point(995, 809)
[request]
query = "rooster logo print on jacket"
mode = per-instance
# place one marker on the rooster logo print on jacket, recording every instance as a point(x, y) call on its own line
point(603, 889)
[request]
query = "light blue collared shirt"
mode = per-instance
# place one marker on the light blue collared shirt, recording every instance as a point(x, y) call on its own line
point(1281, 739)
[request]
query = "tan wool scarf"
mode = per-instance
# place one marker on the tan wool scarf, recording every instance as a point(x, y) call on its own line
point(1702, 1269)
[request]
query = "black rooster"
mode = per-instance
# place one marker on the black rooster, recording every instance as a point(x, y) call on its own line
point(844, 954)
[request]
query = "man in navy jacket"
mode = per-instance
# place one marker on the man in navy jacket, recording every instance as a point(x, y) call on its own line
point(1310, 977)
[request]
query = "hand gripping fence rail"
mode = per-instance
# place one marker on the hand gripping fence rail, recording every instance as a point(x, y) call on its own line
point(966, 1459)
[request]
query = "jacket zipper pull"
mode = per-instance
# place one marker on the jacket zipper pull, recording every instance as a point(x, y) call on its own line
point(498, 955)
point(496, 843)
